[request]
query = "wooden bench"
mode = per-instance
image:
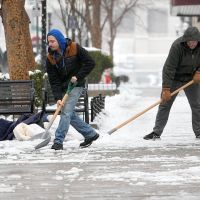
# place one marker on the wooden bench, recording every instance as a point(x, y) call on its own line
point(16, 97)
point(49, 103)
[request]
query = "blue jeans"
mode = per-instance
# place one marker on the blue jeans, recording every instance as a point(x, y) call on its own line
point(68, 116)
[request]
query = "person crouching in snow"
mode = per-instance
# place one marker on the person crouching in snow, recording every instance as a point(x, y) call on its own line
point(67, 61)
point(181, 66)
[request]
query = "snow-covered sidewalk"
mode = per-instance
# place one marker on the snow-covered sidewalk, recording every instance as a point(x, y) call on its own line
point(120, 166)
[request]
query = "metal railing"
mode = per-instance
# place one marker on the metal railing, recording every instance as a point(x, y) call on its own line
point(97, 105)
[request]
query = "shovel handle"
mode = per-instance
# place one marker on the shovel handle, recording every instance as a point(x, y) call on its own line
point(149, 108)
point(64, 99)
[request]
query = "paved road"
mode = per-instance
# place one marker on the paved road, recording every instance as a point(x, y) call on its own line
point(169, 172)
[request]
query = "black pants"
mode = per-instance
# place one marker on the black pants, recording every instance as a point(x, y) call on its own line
point(193, 95)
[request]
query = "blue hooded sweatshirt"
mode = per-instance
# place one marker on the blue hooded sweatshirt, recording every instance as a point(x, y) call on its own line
point(60, 38)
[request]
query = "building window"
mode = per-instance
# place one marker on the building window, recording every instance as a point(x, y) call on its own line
point(157, 21)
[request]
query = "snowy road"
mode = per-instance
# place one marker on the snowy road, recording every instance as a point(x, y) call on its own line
point(120, 166)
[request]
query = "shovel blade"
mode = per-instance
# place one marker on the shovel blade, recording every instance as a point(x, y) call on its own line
point(47, 138)
point(43, 135)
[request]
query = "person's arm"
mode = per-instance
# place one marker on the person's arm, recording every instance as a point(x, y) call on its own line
point(87, 63)
point(170, 66)
point(168, 72)
point(54, 80)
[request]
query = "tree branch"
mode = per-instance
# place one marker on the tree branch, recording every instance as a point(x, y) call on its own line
point(104, 22)
point(128, 6)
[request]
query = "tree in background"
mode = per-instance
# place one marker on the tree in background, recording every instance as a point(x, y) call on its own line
point(71, 20)
point(87, 16)
point(94, 15)
point(18, 40)
point(93, 21)
point(64, 14)
point(116, 11)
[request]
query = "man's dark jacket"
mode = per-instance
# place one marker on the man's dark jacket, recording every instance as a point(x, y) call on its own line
point(182, 62)
point(75, 62)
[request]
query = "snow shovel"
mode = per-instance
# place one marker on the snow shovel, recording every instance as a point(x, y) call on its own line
point(46, 134)
point(147, 109)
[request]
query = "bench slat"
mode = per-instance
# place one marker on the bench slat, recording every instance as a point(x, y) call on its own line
point(16, 97)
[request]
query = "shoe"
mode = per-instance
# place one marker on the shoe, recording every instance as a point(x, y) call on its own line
point(57, 146)
point(88, 142)
point(151, 136)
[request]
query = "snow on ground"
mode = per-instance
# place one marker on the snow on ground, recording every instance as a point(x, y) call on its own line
point(118, 109)
point(130, 102)
point(122, 158)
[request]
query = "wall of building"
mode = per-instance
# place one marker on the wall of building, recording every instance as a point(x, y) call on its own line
point(154, 30)
point(142, 51)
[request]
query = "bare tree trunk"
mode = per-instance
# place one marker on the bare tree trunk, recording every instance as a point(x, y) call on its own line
point(111, 46)
point(96, 24)
point(64, 12)
point(87, 15)
point(18, 41)
point(110, 21)
point(30, 59)
point(73, 15)
point(115, 20)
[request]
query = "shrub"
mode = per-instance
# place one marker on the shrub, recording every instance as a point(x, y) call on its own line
point(38, 77)
point(102, 62)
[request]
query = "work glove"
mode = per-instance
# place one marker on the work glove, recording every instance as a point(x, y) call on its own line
point(165, 95)
point(196, 77)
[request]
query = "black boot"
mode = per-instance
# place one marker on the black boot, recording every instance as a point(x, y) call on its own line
point(151, 136)
point(57, 146)
point(88, 142)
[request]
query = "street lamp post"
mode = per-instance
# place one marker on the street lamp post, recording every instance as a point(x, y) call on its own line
point(49, 21)
point(37, 31)
point(36, 13)
point(44, 18)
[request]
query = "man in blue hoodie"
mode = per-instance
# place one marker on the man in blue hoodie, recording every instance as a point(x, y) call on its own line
point(68, 62)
